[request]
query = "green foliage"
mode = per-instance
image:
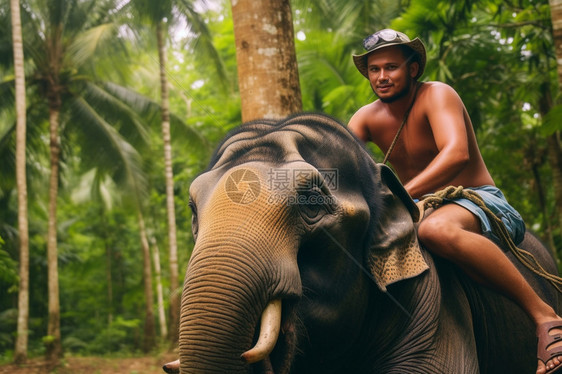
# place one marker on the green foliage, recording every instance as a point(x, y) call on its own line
point(329, 79)
point(8, 269)
point(497, 54)
point(8, 322)
point(551, 122)
point(48, 340)
point(119, 336)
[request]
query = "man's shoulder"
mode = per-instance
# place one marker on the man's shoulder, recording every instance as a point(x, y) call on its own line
point(366, 112)
point(362, 122)
point(370, 106)
point(434, 92)
point(436, 88)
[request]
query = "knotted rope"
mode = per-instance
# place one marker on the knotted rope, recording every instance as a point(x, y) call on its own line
point(498, 228)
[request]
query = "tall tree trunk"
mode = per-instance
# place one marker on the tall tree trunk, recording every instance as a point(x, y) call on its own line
point(555, 159)
point(108, 265)
point(54, 347)
point(109, 281)
point(169, 174)
point(20, 352)
point(265, 53)
point(556, 16)
point(543, 207)
point(554, 143)
point(149, 327)
point(159, 291)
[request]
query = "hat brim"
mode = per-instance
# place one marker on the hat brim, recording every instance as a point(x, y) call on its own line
point(416, 44)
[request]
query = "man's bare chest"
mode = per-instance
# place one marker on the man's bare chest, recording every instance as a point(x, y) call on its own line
point(414, 140)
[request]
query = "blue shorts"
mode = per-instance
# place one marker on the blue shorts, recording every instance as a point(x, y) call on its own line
point(496, 202)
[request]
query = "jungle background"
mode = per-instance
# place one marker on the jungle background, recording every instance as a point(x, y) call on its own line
point(124, 102)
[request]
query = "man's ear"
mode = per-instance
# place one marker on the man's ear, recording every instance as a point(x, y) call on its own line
point(414, 68)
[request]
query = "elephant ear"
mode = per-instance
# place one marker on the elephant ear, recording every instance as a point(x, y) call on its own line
point(394, 253)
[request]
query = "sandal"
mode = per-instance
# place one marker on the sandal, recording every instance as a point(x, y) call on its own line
point(546, 340)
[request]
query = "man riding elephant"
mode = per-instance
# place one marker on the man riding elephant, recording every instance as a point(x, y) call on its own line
point(428, 135)
point(306, 261)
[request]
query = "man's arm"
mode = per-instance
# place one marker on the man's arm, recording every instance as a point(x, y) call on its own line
point(445, 113)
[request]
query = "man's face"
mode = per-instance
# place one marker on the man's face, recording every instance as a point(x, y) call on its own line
point(390, 75)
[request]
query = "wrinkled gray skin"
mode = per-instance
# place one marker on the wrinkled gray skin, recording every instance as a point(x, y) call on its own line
point(314, 256)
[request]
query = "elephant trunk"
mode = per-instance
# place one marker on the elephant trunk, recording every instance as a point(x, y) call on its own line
point(245, 256)
point(223, 300)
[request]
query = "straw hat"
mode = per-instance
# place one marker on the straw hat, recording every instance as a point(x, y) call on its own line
point(386, 38)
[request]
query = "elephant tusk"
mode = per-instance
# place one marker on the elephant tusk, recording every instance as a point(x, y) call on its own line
point(269, 332)
point(172, 367)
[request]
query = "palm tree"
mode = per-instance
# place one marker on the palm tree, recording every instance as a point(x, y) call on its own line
point(20, 353)
point(160, 14)
point(169, 177)
point(131, 194)
point(62, 43)
point(268, 76)
point(149, 325)
point(159, 291)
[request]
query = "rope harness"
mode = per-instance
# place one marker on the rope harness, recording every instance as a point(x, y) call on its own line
point(404, 120)
point(498, 228)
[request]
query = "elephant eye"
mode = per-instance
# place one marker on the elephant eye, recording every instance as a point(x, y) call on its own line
point(313, 205)
point(194, 225)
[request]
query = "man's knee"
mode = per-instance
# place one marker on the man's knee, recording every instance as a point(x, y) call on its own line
point(438, 234)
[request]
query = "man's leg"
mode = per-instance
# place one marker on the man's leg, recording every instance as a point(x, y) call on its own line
point(453, 232)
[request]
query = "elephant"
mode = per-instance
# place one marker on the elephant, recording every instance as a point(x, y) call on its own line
point(306, 260)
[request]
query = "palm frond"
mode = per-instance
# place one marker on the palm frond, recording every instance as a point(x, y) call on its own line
point(182, 131)
point(154, 11)
point(101, 11)
point(551, 122)
point(150, 111)
point(114, 110)
point(105, 148)
point(96, 185)
point(85, 45)
point(202, 43)
point(7, 152)
point(7, 92)
point(325, 64)
point(146, 108)
point(34, 31)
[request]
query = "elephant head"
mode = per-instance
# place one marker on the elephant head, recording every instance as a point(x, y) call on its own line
point(294, 228)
